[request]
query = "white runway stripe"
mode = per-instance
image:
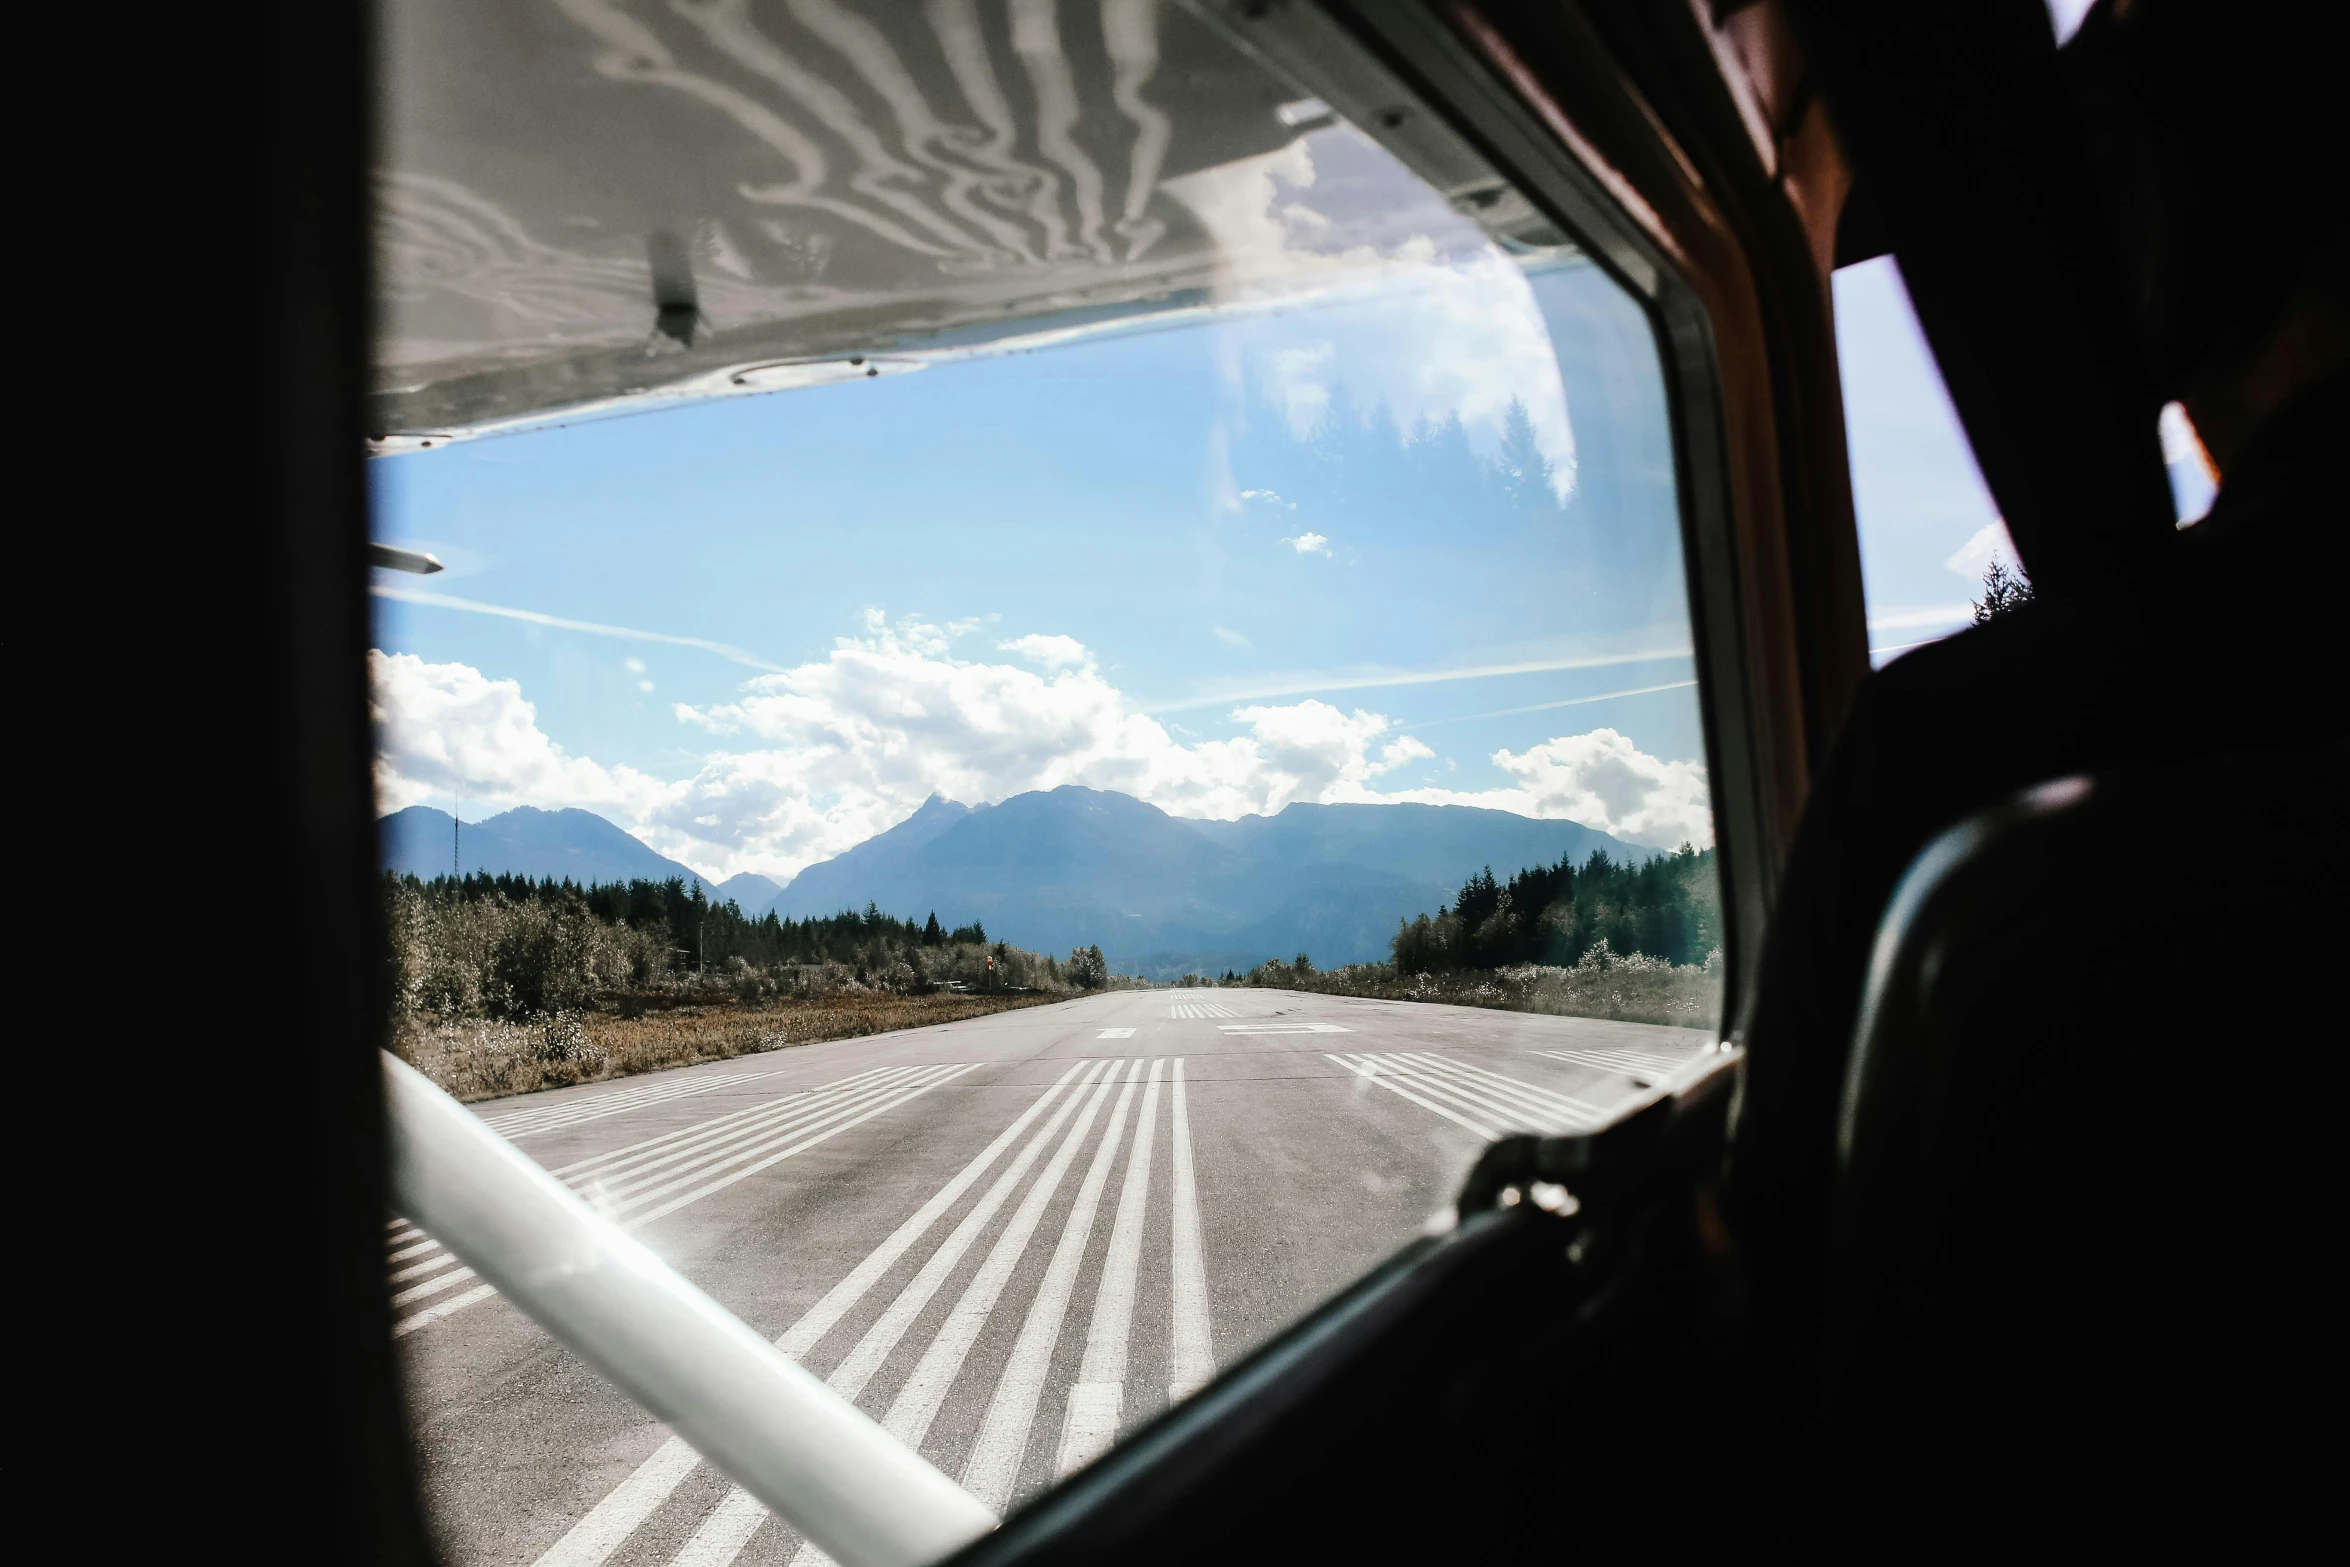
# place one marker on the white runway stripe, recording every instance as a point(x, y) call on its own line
point(415, 1269)
point(744, 1150)
point(804, 1334)
point(1097, 1401)
point(1115, 1033)
point(638, 1497)
point(1554, 1109)
point(1369, 1069)
point(447, 1308)
point(1284, 1028)
point(718, 1125)
point(611, 1521)
point(1651, 1065)
point(1192, 1361)
point(1482, 1100)
point(634, 1164)
point(724, 1533)
point(545, 1118)
point(850, 1376)
point(747, 1155)
point(916, 1405)
point(1191, 1009)
point(432, 1286)
point(1512, 1112)
point(994, 1465)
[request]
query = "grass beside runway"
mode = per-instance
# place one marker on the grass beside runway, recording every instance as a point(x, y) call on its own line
point(475, 1058)
point(1637, 989)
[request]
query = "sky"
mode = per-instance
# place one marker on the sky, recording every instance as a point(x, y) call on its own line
point(1408, 535)
point(1405, 530)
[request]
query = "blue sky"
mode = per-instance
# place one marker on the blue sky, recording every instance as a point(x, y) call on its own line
point(1222, 565)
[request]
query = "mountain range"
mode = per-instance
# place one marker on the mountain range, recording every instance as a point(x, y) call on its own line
point(1164, 895)
point(1055, 869)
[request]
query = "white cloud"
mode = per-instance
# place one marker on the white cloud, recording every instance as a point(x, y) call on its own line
point(808, 762)
point(635, 666)
point(1603, 780)
point(1229, 637)
point(1990, 542)
point(644, 685)
point(1309, 544)
point(447, 729)
point(1051, 652)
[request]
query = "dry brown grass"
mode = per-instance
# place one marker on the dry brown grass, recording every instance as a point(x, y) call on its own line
point(474, 1059)
point(1639, 990)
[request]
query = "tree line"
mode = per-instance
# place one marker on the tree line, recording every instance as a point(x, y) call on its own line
point(1668, 906)
point(514, 946)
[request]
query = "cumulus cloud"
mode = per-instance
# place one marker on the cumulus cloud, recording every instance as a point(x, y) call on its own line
point(810, 761)
point(1051, 652)
point(1603, 780)
point(448, 729)
point(1309, 544)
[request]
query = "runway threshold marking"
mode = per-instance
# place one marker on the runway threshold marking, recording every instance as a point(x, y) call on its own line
point(1195, 1009)
point(660, 1175)
point(1115, 1033)
point(1650, 1064)
point(1097, 1401)
point(1484, 1101)
point(1193, 1363)
point(546, 1118)
point(994, 1465)
point(591, 1540)
point(1284, 1028)
point(997, 1455)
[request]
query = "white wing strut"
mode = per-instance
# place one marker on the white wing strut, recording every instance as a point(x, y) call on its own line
point(865, 1498)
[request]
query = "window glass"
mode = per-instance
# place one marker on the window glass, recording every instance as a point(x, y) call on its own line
point(1118, 704)
point(1930, 534)
point(1934, 552)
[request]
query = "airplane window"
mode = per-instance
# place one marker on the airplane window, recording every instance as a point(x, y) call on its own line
point(1932, 545)
point(1023, 691)
point(1935, 554)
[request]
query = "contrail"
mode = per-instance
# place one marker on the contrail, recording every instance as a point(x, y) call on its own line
point(1304, 686)
point(592, 628)
point(1544, 707)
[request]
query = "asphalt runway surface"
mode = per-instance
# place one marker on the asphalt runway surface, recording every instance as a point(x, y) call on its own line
point(1007, 1239)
